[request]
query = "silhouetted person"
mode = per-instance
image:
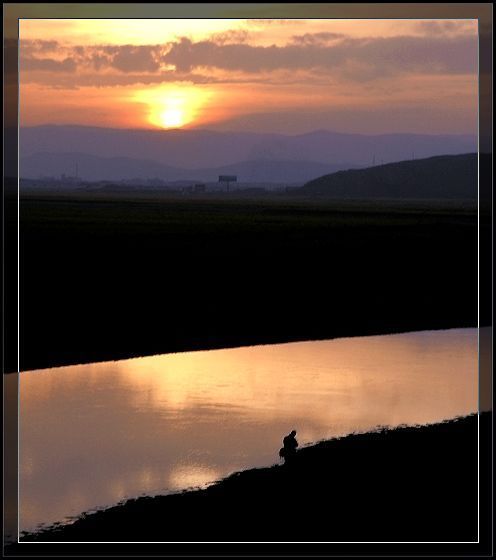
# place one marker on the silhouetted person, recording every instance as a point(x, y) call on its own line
point(288, 451)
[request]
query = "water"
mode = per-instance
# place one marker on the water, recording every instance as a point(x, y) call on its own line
point(93, 435)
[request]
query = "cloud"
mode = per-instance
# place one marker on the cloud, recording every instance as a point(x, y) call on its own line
point(311, 57)
point(128, 58)
point(99, 61)
point(316, 38)
point(383, 56)
point(103, 80)
point(132, 59)
point(32, 46)
point(230, 36)
point(29, 64)
point(124, 58)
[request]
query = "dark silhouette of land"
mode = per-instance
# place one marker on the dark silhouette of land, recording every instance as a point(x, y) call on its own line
point(441, 177)
point(448, 178)
point(105, 277)
point(108, 277)
point(408, 484)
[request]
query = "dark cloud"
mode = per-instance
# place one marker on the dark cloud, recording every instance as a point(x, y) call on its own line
point(29, 46)
point(230, 36)
point(78, 80)
point(125, 58)
point(316, 38)
point(100, 61)
point(132, 59)
point(46, 46)
point(186, 55)
point(381, 56)
point(28, 64)
point(310, 57)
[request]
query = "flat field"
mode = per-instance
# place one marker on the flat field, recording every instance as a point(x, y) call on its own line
point(107, 277)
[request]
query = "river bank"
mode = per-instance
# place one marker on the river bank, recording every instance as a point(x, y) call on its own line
point(411, 484)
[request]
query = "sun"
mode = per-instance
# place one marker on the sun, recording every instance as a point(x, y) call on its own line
point(173, 107)
point(173, 117)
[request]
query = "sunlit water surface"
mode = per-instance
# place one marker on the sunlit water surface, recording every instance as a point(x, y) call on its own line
point(93, 435)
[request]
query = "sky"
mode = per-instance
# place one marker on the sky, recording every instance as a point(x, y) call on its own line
point(287, 76)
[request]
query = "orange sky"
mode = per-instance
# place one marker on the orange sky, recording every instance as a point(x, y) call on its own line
point(291, 76)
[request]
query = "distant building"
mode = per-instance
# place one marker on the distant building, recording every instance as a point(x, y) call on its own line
point(227, 179)
point(199, 188)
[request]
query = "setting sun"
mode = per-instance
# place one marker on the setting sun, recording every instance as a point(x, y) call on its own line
point(172, 117)
point(173, 107)
point(287, 76)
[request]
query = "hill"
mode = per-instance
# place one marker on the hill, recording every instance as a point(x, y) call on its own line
point(95, 168)
point(195, 149)
point(441, 177)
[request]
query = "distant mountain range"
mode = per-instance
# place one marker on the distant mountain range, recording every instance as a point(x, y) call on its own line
point(202, 150)
point(93, 168)
point(448, 177)
point(441, 177)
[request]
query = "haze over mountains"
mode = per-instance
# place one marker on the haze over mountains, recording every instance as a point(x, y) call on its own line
point(114, 154)
point(95, 168)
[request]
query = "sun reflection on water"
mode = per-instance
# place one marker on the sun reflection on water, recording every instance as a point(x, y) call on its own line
point(92, 435)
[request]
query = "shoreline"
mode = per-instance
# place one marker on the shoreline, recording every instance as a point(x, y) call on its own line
point(388, 479)
point(243, 342)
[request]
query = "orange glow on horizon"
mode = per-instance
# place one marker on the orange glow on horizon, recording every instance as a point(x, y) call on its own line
point(231, 74)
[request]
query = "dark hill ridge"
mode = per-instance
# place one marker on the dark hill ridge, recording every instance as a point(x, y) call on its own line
point(439, 177)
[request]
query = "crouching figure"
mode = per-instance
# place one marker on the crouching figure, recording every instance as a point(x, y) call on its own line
point(288, 451)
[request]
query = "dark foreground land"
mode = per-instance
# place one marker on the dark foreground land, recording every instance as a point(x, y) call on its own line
point(409, 484)
point(105, 277)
